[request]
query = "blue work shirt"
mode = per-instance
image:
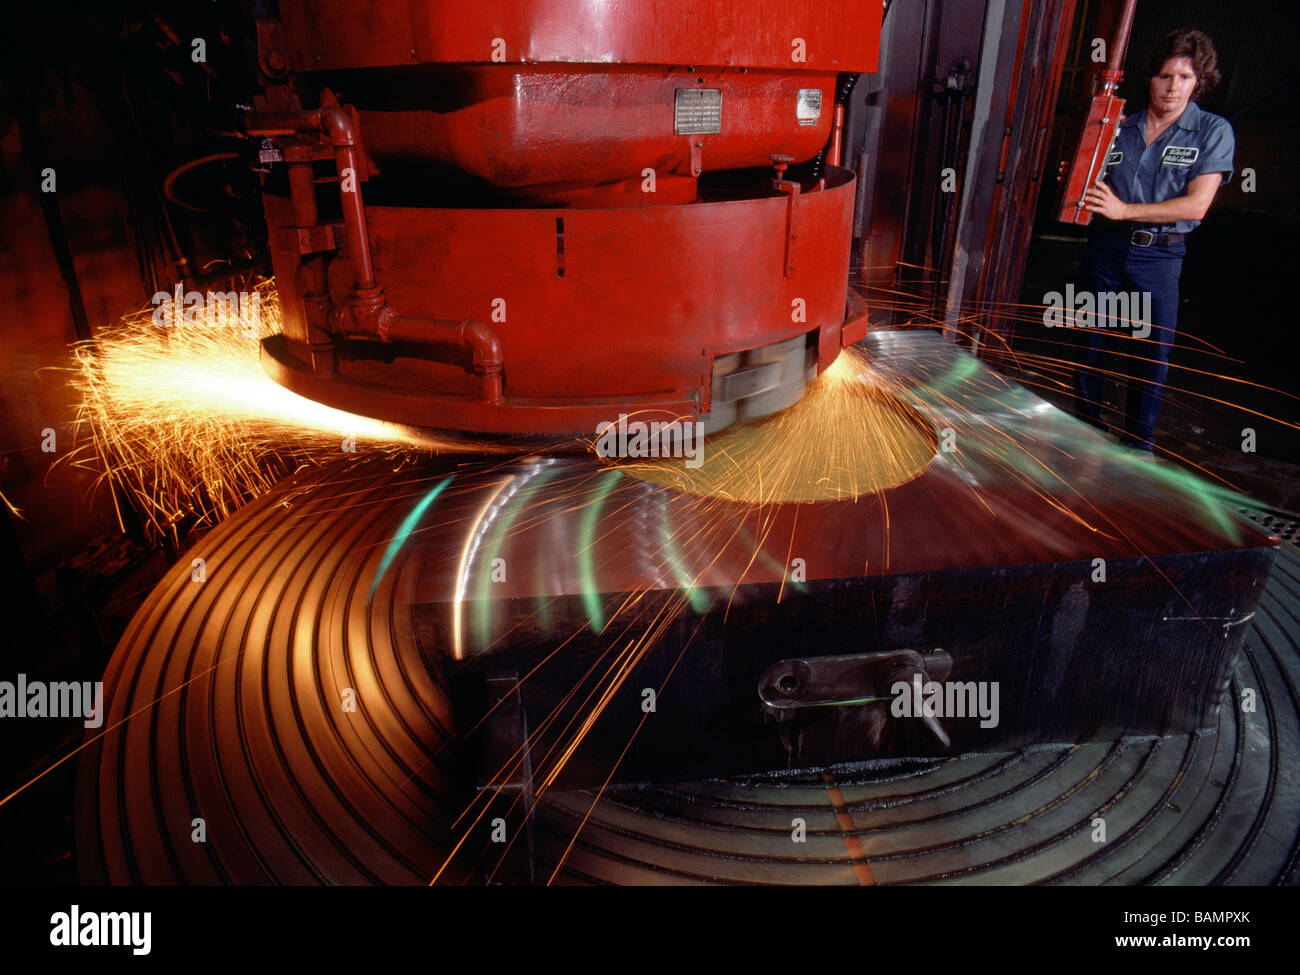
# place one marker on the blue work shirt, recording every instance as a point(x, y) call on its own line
point(1198, 143)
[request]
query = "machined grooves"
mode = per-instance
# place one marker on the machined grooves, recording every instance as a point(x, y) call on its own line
point(233, 684)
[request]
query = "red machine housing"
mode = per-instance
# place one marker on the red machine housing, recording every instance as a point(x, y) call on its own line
point(541, 215)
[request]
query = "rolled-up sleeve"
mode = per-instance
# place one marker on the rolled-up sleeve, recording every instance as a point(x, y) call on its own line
point(1218, 145)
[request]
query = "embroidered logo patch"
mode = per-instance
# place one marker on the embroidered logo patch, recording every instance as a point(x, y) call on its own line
point(1179, 155)
point(1115, 158)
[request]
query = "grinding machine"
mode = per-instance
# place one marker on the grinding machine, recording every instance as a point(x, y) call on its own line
point(530, 218)
point(522, 221)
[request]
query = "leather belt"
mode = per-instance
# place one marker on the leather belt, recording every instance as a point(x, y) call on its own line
point(1141, 237)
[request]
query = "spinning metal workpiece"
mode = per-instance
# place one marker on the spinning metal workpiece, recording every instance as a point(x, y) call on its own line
point(376, 651)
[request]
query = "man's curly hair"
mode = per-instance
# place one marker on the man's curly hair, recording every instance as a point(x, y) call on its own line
point(1187, 44)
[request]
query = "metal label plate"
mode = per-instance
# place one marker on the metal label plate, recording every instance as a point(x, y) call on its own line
point(808, 110)
point(698, 111)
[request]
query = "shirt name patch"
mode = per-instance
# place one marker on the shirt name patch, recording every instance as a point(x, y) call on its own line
point(1115, 158)
point(1179, 155)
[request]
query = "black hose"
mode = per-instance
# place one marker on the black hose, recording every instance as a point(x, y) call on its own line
point(844, 83)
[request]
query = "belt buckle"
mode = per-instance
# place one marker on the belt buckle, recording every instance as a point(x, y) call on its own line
point(1150, 238)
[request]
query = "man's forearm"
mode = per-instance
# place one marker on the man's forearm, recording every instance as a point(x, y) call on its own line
point(1170, 211)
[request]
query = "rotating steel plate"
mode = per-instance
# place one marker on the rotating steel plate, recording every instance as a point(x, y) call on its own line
point(226, 706)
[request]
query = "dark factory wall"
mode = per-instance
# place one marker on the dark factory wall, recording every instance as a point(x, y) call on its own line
point(106, 97)
point(66, 262)
point(964, 86)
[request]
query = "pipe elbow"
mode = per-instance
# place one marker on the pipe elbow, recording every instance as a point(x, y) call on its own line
point(336, 123)
point(484, 344)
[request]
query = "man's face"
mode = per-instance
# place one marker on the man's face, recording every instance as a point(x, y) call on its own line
point(1172, 88)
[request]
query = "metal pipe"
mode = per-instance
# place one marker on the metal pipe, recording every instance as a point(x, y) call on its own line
point(336, 123)
point(472, 345)
point(1113, 73)
point(315, 288)
point(836, 133)
point(169, 184)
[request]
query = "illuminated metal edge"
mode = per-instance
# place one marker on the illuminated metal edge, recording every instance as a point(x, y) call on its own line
point(796, 357)
point(400, 405)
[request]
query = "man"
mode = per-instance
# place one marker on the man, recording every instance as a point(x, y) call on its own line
point(1164, 169)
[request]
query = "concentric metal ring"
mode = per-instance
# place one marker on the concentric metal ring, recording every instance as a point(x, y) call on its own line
point(228, 754)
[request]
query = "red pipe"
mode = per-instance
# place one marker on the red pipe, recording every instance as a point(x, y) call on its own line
point(835, 136)
point(1113, 73)
point(338, 125)
point(315, 289)
point(472, 345)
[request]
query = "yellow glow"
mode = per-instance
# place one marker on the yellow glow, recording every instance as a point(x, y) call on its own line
point(185, 421)
point(848, 436)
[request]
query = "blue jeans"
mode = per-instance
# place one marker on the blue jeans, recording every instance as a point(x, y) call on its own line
point(1113, 264)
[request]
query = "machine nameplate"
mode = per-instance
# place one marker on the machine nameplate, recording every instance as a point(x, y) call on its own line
point(808, 110)
point(698, 111)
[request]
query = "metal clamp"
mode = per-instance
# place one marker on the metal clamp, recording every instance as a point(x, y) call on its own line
point(862, 680)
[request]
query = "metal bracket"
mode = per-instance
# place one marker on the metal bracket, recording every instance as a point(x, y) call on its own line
point(507, 766)
point(861, 680)
point(791, 190)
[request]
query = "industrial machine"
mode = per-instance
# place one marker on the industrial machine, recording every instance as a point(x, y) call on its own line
point(532, 219)
point(508, 218)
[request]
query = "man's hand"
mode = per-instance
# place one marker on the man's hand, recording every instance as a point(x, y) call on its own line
point(1101, 199)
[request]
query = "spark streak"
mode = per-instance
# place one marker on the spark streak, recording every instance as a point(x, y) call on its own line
point(184, 421)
